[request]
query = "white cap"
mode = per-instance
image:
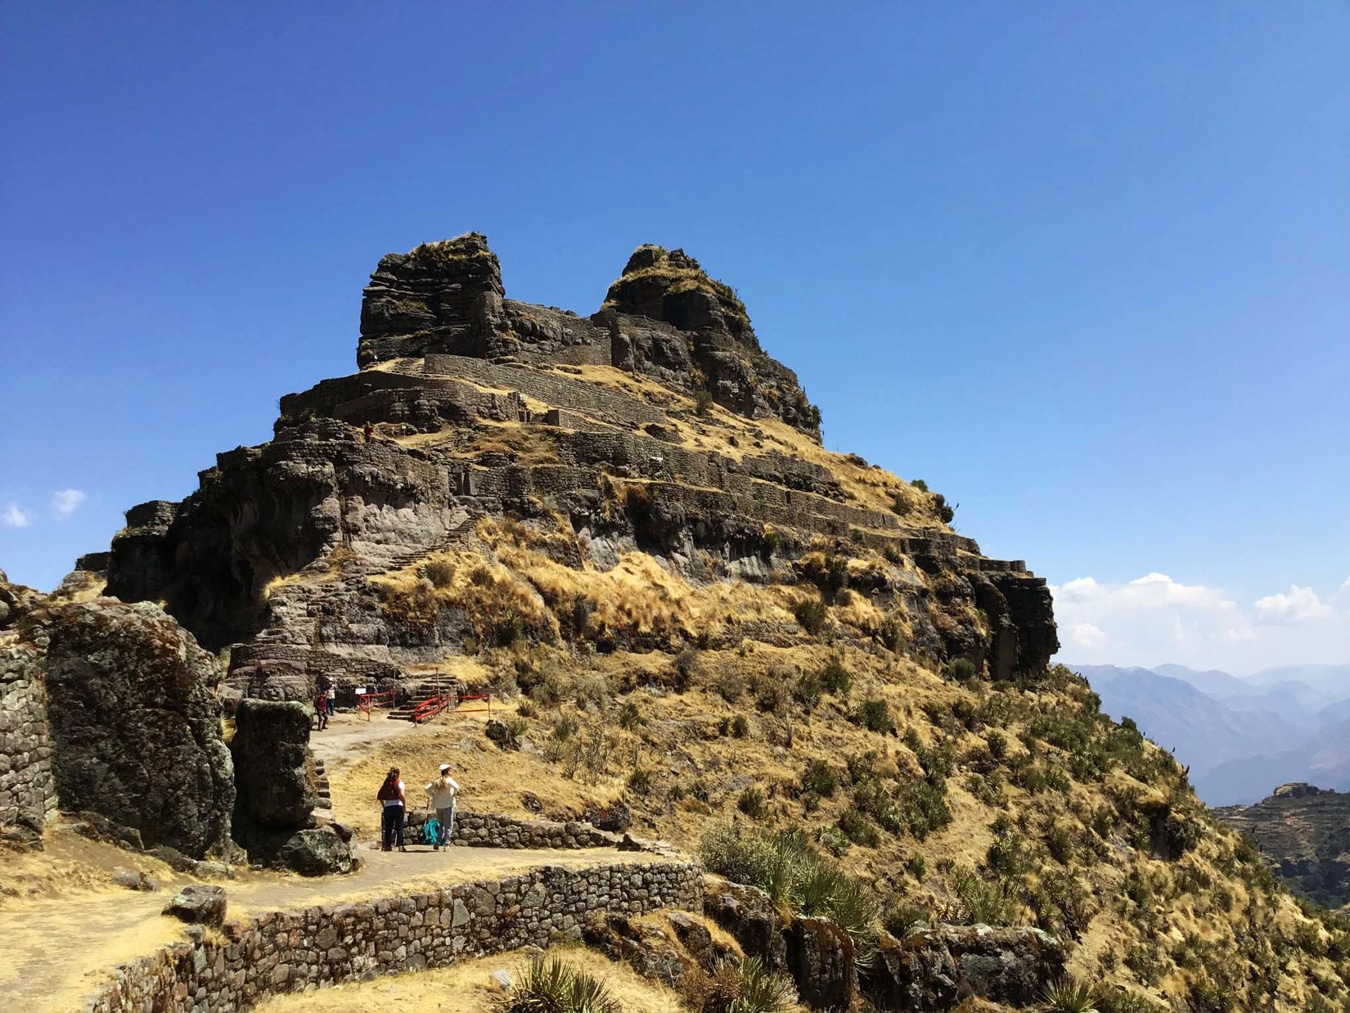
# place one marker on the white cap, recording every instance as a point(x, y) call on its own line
point(445, 768)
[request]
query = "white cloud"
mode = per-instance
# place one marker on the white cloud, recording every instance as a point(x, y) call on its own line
point(1154, 619)
point(15, 517)
point(1300, 606)
point(1087, 635)
point(66, 501)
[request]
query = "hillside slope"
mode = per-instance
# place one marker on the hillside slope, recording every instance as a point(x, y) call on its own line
point(707, 624)
point(1306, 833)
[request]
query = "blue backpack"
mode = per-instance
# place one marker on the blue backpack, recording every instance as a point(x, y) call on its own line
point(431, 831)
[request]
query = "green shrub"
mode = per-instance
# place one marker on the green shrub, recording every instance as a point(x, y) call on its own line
point(740, 727)
point(806, 691)
point(997, 744)
point(902, 918)
point(753, 803)
point(983, 902)
point(858, 828)
point(770, 695)
point(440, 572)
point(640, 781)
point(900, 505)
point(811, 615)
point(820, 779)
point(833, 840)
point(792, 873)
point(630, 717)
point(874, 714)
point(730, 685)
point(834, 677)
point(686, 665)
point(960, 669)
point(1128, 1002)
point(549, 984)
point(920, 484)
point(1059, 842)
point(703, 402)
point(744, 986)
point(824, 890)
point(923, 807)
point(1146, 961)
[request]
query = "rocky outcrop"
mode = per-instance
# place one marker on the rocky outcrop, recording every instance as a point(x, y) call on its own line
point(273, 554)
point(273, 770)
point(135, 723)
point(441, 297)
point(1304, 832)
point(276, 777)
point(931, 969)
point(139, 563)
point(817, 954)
point(16, 601)
point(716, 348)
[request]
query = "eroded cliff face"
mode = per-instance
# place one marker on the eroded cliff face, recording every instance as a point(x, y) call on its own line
point(527, 441)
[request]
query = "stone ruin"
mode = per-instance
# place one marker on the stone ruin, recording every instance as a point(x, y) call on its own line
point(444, 355)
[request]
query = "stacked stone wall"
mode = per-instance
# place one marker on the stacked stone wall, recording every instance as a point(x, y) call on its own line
point(27, 787)
point(490, 830)
point(555, 391)
point(334, 943)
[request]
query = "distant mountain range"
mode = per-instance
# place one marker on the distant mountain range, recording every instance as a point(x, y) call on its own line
point(1241, 737)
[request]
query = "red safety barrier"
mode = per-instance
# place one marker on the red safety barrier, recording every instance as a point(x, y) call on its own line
point(476, 710)
point(433, 705)
point(367, 702)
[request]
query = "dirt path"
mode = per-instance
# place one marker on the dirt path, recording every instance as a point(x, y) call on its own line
point(349, 737)
point(58, 949)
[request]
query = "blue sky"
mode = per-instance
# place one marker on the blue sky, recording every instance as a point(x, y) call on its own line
point(1085, 268)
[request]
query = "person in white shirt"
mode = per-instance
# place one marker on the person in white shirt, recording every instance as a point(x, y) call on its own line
point(443, 791)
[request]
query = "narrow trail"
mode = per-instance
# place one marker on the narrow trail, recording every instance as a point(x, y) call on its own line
point(57, 950)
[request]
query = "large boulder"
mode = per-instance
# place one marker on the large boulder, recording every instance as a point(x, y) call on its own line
point(135, 723)
point(272, 764)
point(317, 852)
point(821, 960)
point(749, 916)
point(930, 968)
point(198, 905)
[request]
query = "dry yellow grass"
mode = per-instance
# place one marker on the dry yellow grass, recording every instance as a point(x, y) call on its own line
point(467, 988)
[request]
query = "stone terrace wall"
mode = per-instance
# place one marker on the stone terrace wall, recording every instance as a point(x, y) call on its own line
point(555, 391)
point(328, 944)
point(27, 787)
point(490, 830)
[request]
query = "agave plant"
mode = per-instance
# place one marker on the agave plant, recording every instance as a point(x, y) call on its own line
point(1069, 996)
point(549, 984)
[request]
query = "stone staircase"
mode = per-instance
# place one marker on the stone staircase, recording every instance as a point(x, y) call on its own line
point(322, 789)
point(428, 687)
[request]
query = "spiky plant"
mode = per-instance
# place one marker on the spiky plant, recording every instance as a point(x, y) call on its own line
point(549, 984)
point(1069, 996)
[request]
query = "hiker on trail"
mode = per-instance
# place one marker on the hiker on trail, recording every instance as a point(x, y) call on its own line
point(443, 791)
point(321, 709)
point(369, 431)
point(331, 694)
point(393, 800)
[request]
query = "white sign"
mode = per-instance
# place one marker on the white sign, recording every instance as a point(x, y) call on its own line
point(360, 691)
